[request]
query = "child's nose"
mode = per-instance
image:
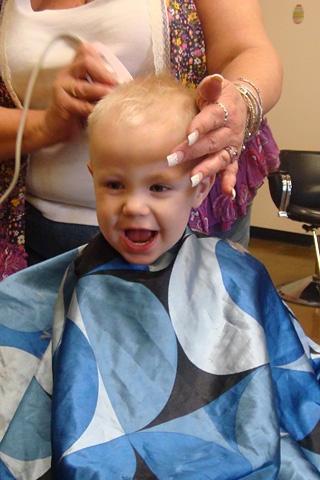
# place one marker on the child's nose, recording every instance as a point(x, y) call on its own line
point(135, 205)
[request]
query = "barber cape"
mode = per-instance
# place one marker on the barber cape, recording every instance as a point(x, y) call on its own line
point(190, 368)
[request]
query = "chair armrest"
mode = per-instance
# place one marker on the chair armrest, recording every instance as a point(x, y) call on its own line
point(280, 187)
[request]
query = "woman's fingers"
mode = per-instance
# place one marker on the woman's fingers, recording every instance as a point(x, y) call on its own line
point(229, 179)
point(216, 133)
point(69, 104)
point(89, 64)
point(75, 92)
point(212, 117)
point(215, 163)
point(82, 90)
point(228, 111)
point(210, 143)
point(209, 90)
point(84, 82)
point(218, 163)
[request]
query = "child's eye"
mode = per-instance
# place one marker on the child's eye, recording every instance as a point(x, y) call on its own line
point(159, 188)
point(114, 185)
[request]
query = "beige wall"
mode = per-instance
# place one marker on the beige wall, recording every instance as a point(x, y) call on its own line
point(295, 120)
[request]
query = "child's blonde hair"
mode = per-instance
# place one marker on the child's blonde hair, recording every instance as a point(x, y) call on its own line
point(153, 99)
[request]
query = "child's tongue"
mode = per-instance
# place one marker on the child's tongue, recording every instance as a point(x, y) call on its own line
point(139, 236)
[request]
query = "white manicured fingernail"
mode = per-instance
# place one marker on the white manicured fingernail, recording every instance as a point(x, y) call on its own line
point(233, 194)
point(196, 179)
point(175, 158)
point(218, 77)
point(193, 137)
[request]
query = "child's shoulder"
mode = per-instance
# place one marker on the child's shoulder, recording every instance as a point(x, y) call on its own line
point(227, 253)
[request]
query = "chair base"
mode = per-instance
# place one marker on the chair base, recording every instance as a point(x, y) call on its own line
point(304, 292)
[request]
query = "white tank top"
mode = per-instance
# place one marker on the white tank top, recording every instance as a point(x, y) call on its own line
point(58, 182)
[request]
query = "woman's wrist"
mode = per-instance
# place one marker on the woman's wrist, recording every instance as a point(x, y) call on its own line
point(252, 98)
point(36, 132)
point(33, 134)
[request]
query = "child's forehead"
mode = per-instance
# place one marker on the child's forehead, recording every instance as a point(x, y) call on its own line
point(146, 138)
point(146, 161)
point(143, 122)
point(143, 157)
point(146, 145)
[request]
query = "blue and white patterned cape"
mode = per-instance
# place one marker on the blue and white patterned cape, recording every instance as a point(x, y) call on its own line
point(192, 368)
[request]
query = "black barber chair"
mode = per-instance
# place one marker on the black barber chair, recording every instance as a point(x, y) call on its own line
point(295, 190)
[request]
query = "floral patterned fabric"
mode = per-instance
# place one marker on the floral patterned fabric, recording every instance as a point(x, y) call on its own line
point(188, 56)
point(12, 254)
point(217, 213)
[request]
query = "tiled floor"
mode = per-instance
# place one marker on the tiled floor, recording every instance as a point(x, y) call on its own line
point(286, 263)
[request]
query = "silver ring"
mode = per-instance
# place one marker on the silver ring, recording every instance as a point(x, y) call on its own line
point(226, 113)
point(233, 153)
point(73, 89)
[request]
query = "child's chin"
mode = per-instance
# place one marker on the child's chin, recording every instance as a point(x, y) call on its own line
point(140, 259)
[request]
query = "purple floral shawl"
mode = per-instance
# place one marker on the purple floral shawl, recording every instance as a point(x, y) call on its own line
point(12, 254)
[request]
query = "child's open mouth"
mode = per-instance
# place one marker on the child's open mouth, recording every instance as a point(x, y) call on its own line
point(140, 239)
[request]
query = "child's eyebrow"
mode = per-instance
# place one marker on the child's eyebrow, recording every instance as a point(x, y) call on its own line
point(166, 176)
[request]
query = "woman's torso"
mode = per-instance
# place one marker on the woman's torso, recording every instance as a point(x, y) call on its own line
point(58, 181)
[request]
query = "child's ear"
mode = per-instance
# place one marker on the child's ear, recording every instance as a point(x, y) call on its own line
point(202, 190)
point(90, 167)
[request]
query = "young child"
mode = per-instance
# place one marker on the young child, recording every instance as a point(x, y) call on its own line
point(172, 356)
point(143, 207)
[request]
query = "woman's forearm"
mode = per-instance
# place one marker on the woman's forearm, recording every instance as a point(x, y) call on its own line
point(263, 68)
point(237, 46)
point(35, 135)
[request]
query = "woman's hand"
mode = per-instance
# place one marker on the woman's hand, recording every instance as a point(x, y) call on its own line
point(217, 132)
point(75, 92)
